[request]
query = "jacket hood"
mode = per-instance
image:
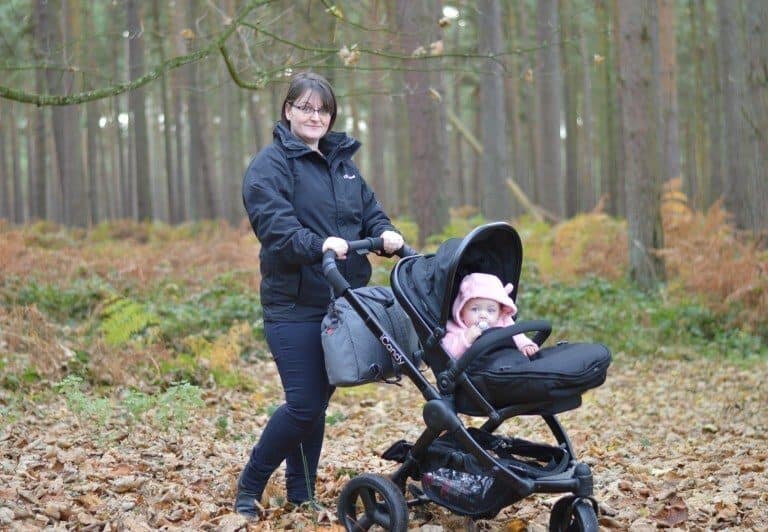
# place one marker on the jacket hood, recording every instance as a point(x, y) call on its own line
point(486, 286)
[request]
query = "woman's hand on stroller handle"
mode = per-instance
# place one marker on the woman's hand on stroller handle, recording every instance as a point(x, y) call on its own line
point(333, 245)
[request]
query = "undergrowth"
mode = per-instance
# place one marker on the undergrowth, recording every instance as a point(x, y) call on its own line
point(171, 408)
point(144, 306)
point(635, 323)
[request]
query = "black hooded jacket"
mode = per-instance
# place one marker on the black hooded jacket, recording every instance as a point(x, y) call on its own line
point(295, 199)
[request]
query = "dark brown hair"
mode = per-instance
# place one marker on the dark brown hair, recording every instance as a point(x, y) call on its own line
point(314, 83)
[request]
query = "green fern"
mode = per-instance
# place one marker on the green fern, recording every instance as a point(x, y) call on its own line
point(124, 318)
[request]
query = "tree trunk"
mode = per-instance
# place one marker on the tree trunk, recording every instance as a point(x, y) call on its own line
point(495, 203)
point(570, 97)
point(66, 126)
point(757, 108)
point(6, 192)
point(231, 181)
point(733, 81)
point(92, 134)
point(137, 106)
point(696, 176)
point(168, 119)
point(18, 198)
point(518, 166)
point(588, 184)
point(427, 120)
point(376, 127)
point(38, 177)
point(180, 201)
point(640, 100)
point(714, 108)
point(549, 87)
point(529, 103)
point(668, 62)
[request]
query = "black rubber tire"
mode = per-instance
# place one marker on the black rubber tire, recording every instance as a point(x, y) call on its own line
point(571, 514)
point(371, 500)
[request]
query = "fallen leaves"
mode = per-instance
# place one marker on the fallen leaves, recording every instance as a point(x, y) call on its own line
point(654, 463)
point(673, 512)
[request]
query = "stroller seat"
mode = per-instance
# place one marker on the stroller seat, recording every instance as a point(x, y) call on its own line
point(492, 374)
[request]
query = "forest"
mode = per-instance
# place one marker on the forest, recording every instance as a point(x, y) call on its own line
point(625, 140)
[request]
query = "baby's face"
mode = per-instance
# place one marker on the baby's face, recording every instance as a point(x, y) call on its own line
point(480, 309)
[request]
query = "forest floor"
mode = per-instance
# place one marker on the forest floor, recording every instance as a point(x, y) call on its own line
point(680, 444)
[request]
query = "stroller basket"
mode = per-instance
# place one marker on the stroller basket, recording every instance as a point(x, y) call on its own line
point(455, 479)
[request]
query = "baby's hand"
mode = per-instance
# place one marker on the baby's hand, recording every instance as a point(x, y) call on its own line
point(472, 333)
point(530, 350)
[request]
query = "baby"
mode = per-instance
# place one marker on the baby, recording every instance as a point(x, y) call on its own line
point(482, 302)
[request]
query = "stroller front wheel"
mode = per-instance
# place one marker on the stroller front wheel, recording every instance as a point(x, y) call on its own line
point(573, 514)
point(372, 502)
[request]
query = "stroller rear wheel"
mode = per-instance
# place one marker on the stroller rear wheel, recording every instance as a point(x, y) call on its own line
point(372, 502)
point(573, 514)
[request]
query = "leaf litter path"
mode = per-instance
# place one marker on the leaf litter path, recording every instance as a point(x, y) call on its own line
point(673, 444)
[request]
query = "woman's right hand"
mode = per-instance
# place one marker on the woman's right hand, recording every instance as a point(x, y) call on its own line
point(338, 245)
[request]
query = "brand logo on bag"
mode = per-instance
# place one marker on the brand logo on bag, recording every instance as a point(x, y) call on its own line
point(386, 341)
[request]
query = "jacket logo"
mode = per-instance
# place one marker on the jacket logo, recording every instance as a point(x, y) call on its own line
point(347, 176)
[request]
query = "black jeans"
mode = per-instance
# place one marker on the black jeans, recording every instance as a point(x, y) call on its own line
point(298, 425)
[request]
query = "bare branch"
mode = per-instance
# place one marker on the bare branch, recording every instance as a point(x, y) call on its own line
point(113, 90)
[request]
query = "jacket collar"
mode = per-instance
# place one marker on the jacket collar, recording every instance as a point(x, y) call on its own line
point(333, 144)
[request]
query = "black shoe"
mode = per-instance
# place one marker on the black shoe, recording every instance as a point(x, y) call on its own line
point(247, 502)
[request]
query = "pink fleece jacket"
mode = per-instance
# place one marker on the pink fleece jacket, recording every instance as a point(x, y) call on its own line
point(489, 287)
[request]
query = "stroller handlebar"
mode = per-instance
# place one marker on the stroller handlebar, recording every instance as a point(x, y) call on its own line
point(363, 246)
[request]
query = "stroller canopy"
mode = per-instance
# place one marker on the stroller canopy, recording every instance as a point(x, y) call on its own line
point(430, 282)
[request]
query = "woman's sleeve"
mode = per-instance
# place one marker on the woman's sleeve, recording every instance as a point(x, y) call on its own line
point(267, 189)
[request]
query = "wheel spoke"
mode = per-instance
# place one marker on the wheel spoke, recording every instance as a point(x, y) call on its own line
point(368, 496)
point(364, 523)
point(381, 517)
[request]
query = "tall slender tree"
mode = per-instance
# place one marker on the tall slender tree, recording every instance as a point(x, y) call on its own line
point(137, 107)
point(6, 191)
point(669, 108)
point(549, 113)
point(428, 143)
point(570, 87)
point(733, 81)
point(378, 103)
point(641, 146)
point(757, 94)
point(66, 120)
point(588, 184)
point(169, 122)
point(493, 114)
point(15, 151)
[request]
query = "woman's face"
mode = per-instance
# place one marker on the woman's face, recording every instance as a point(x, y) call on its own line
point(309, 121)
point(480, 309)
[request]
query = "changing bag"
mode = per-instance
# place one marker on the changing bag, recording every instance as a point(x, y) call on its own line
point(353, 355)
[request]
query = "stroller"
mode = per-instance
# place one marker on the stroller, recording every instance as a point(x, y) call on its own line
point(472, 471)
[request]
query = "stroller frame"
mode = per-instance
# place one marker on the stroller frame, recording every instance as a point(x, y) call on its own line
point(575, 512)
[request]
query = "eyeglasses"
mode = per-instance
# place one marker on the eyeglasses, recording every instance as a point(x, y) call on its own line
point(308, 110)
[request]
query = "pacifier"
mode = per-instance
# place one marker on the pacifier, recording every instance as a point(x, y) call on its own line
point(482, 324)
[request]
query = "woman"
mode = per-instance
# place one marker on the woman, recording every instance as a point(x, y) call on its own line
point(304, 196)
